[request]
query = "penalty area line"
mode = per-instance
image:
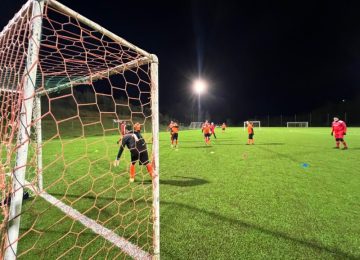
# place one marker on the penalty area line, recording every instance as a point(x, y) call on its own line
point(120, 242)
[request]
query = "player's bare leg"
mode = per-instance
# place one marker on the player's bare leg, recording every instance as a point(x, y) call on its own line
point(345, 145)
point(337, 145)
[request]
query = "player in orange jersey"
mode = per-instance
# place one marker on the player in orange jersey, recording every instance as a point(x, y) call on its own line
point(174, 131)
point(250, 129)
point(223, 127)
point(212, 129)
point(207, 132)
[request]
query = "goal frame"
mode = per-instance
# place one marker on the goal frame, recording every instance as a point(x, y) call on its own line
point(31, 109)
point(195, 123)
point(304, 122)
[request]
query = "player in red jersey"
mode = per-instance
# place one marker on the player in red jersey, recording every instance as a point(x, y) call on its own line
point(170, 126)
point(123, 128)
point(339, 130)
point(212, 129)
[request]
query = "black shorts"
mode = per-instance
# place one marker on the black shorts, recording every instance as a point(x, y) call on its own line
point(251, 136)
point(140, 153)
point(207, 135)
point(339, 139)
point(174, 136)
point(142, 156)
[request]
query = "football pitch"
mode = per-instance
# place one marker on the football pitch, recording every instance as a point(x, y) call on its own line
point(291, 195)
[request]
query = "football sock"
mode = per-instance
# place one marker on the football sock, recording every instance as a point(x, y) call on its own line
point(132, 171)
point(149, 169)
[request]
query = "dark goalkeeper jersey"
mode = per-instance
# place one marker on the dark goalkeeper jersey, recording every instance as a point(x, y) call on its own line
point(135, 143)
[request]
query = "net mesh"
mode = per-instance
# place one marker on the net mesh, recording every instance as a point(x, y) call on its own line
point(85, 82)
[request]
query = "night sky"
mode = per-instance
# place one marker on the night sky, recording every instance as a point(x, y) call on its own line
point(259, 57)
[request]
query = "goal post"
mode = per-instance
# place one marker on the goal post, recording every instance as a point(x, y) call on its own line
point(60, 69)
point(18, 176)
point(297, 124)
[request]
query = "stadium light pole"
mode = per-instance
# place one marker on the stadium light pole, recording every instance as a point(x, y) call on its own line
point(199, 86)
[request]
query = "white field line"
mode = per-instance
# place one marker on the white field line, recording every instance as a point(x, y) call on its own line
point(127, 247)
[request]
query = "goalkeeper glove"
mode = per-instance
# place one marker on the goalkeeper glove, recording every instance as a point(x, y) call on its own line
point(332, 133)
point(344, 133)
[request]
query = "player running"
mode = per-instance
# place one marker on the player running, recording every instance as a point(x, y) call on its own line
point(207, 132)
point(138, 152)
point(223, 127)
point(212, 129)
point(250, 129)
point(339, 129)
point(174, 131)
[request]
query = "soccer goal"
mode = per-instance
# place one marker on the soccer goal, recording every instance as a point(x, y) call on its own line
point(297, 124)
point(195, 125)
point(255, 124)
point(63, 80)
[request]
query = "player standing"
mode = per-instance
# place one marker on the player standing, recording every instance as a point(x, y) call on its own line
point(122, 130)
point(223, 127)
point(339, 130)
point(250, 129)
point(207, 132)
point(212, 129)
point(174, 131)
point(123, 127)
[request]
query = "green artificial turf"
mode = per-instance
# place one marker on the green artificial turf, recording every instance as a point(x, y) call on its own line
point(289, 196)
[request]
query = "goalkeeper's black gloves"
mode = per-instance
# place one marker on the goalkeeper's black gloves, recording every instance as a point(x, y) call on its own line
point(117, 142)
point(332, 133)
point(344, 133)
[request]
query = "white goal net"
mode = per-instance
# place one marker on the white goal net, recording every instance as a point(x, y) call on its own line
point(63, 81)
point(297, 124)
point(195, 125)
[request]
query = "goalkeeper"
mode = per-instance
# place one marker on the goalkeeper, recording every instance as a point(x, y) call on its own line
point(138, 151)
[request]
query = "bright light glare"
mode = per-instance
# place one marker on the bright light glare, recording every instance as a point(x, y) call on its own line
point(199, 86)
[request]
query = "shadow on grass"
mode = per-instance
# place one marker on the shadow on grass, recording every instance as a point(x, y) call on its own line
point(196, 147)
point(274, 233)
point(188, 182)
point(354, 148)
point(270, 144)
